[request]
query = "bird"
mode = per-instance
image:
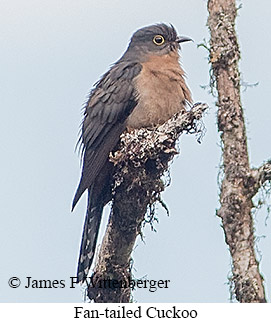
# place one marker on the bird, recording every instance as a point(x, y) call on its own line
point(143, 89)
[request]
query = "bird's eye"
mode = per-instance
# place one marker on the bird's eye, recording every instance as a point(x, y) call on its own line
point(158, 40)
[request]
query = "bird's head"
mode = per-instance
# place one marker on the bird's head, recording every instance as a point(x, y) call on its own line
point(159, 39)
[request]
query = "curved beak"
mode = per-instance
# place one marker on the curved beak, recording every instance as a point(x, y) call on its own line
point(182, 39)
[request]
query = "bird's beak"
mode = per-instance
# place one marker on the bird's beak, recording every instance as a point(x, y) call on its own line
point(182, 39)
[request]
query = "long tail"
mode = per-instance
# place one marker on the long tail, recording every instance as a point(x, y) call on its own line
point(89, 238)
point(99, 194)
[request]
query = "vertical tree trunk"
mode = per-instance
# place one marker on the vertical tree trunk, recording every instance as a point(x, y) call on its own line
point(239, 183)
point(140, 162)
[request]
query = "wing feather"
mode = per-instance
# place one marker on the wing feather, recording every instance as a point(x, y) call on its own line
point(106, 111)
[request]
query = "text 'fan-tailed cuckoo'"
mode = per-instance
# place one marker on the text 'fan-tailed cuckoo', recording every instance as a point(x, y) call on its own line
point(144, 88)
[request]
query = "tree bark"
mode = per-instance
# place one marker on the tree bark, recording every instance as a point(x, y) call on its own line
point(240, 183)
point(142, 158)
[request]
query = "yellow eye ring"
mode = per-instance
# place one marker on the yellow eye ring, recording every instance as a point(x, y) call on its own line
point(158, 40)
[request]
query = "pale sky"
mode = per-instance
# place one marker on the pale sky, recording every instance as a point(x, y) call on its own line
point(51, 54)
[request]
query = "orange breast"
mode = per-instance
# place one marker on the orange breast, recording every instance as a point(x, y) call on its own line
point(161, 91)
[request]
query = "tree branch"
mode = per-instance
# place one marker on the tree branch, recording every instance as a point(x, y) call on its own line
point(142, 158)
point(238, 185)
point(260, 176)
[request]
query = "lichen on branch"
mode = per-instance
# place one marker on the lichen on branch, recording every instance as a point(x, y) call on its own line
point(140, 161)
point(239, 183)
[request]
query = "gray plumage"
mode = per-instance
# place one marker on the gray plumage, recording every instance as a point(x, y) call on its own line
point(108, 107)
point(111, 102)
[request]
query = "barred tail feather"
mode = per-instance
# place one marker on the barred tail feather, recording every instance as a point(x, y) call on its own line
point(89, 239)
